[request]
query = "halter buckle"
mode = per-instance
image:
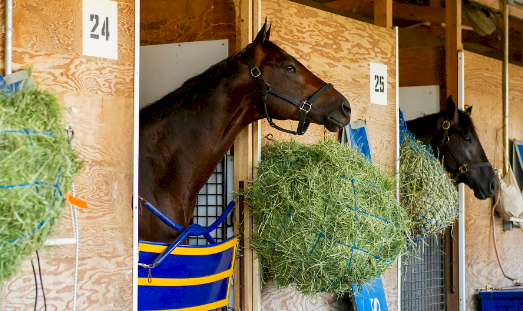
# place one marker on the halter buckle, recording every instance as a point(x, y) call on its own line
point(446, 125)
point(255, 72)
point(463, 169)
point(305, 106)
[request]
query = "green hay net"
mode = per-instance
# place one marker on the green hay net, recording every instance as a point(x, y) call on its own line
point(426, 191)
point(326, 217)
point(37, 168)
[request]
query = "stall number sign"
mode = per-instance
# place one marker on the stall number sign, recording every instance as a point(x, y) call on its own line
point(378, 84)
point(100, 28)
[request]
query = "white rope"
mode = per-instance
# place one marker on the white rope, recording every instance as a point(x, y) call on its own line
point(77, 251)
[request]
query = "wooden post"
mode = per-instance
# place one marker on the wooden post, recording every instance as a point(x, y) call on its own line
point(453, 44)
point(243, 173)
point(383, 13)
point(505, 80)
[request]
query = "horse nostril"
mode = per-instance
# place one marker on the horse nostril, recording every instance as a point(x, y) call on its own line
point(345, 106)
point(493, 186)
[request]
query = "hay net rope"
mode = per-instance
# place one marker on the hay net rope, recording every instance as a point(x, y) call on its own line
point(37, 168)
point(326, 217)
point(426, 191)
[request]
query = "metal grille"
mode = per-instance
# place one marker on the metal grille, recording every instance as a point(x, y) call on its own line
point(212, 201)
point(423, 276)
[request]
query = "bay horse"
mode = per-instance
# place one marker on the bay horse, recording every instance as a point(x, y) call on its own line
point(452, 136)
point(184, 135)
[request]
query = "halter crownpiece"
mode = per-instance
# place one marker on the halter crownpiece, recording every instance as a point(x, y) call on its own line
point(304, 106)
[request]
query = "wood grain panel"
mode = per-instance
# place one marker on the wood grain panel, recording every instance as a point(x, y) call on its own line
point(339, 50)
point(483, 93)
point(99, 92)
point(165, 22)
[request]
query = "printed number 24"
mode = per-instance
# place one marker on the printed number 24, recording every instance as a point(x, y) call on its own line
point(379, 87)
point(105, 27)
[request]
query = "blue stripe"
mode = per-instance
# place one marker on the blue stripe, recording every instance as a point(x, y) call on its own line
point(184, 266)
point(165, 297)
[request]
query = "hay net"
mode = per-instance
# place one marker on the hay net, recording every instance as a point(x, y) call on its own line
point(326, 217)
point(37, 168)
point(426, 191)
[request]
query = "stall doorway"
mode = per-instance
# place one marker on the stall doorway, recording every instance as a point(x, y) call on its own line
point(423, 270)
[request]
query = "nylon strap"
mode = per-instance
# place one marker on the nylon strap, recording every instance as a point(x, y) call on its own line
point(304, 106)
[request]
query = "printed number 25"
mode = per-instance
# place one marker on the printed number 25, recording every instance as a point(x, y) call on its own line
point(105, 27)
point(379, 87)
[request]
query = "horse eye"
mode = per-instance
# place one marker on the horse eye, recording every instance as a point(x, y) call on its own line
point(290, 68)
point(468, 139)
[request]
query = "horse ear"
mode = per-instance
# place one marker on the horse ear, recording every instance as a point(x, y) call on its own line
point(268, 34)
point(262, 35)
point(468, 111)
point(452, 109)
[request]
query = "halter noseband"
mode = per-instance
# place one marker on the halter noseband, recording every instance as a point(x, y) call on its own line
point(462, 166)
point(304, 106)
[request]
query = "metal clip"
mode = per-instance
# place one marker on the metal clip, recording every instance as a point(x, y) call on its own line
point(255, 72)
point(304, 107)
point(70, 134)
point(463, 169)
point(446, 125)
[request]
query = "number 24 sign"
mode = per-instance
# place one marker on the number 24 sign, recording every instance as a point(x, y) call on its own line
point(100, 28)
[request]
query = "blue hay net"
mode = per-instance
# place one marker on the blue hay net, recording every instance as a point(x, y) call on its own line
point(36, 183)
point(434, 208)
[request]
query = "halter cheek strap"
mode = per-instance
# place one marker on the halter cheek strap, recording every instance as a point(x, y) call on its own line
point(463, 167)
point(304, 106)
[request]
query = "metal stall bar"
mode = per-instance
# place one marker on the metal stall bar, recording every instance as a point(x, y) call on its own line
point(461, 196)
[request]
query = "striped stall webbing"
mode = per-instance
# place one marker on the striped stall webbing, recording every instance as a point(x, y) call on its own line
point(191, 278)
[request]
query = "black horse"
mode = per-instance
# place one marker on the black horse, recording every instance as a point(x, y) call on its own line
point(452, 136)
point(185, 134)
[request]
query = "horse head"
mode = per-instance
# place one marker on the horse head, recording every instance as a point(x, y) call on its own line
point(290, 91)
point(461, 151)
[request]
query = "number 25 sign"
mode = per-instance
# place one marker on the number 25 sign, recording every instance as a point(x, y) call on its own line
point(378, 84)
point(100, 28)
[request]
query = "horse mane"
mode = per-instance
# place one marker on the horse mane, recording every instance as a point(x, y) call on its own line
point(190, 92)
point(422, 126)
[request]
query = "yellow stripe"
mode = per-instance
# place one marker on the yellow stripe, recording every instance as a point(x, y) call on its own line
point(207, 307)
point(191, 251)
point(232, 268)
point(185, 282)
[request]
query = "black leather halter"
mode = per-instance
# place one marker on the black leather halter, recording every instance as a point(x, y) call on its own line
point(304, 106)
point(463, 167)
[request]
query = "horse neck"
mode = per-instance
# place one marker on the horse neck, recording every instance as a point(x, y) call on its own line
point(425, 129)
point(188, 145)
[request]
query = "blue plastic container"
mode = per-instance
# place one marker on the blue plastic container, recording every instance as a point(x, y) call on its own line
point(501, 300)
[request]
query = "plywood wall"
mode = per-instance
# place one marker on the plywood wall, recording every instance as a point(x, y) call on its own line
point(164, 22)
point(99, 92)
point(338, 50)
point(483, 93)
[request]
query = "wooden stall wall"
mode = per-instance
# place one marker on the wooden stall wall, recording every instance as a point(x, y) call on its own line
point(163, 22)
point(338, 50)
point(99, 93)
point(483, 92)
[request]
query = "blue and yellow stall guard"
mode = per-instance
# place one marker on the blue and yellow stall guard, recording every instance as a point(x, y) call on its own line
point(185, 277)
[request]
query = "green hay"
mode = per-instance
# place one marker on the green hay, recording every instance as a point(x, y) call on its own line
point(305, 228)
point(427, 193)
point(29, 159)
